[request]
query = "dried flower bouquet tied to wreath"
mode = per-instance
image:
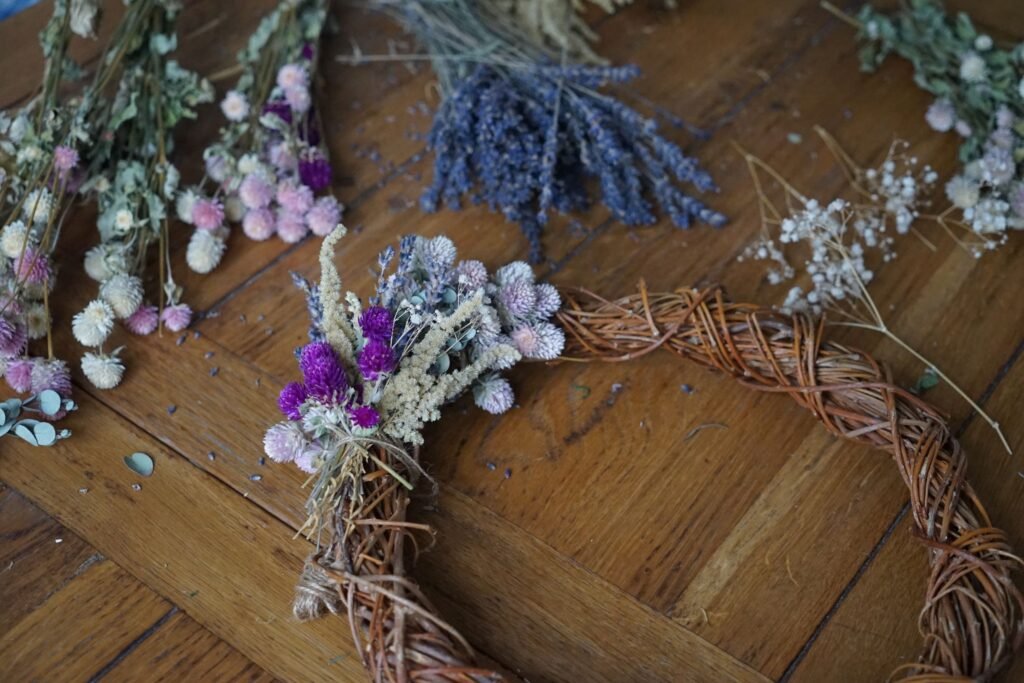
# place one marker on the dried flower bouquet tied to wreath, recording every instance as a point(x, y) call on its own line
point(372, 376)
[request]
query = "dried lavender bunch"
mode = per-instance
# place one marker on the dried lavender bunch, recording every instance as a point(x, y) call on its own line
point(134, 180)
point(39, 175)
point(270, 160)
point(524, 130)
point(980, 95)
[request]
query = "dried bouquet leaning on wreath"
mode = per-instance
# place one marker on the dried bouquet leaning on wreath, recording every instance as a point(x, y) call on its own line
point(373, 375)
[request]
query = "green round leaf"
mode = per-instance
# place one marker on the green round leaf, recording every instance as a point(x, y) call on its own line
point(26, 434)
point(49, 402)
point(140, 463)
point(45, 434)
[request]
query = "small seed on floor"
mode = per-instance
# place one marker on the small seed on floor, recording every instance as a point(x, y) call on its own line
point(241, 318)
point(687, 389)
point(83, 490)
point(171, 409)
point(181, 339)
point(256, 477)
point(211, 456)
point(214, 371)
point(196, 334)
point(209, 354)
point(491, 466)
point(508, 472)
point(136, 487)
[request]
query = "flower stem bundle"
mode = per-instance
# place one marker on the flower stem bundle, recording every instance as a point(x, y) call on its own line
point(525, 128)
point(270, 160)
point(138, 97)
point(979, 90)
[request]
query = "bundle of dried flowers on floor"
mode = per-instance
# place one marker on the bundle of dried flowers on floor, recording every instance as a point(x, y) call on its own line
point(979, 88)
point(841, 242)
point(40, 171)
point(372, 376)
point(524, 127)
point(270, 161)
point(142, 94)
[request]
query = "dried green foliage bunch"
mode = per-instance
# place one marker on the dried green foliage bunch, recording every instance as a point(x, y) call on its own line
point(979, 90)
point(39, 175)
point(141, 94)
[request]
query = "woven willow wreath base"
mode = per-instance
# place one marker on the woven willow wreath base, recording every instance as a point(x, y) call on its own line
point(972, 620)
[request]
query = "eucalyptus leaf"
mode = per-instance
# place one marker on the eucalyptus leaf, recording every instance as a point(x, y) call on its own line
point(45, 434)
point(49, 402)
point(140, 463)
point(25, 433)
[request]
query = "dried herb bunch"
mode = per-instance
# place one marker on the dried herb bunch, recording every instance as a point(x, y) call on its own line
point(372, 376)
point(39, 175)
point(979, 90)
point(270, 160)
point(140, 94)
point(973, 618)
point(525, 129)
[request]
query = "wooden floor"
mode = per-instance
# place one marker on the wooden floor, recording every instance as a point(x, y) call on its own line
point(582, 537)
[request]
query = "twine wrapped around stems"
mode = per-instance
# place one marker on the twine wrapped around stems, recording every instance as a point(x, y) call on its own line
point(973, 617)
point(360, 571)
point(972, 621)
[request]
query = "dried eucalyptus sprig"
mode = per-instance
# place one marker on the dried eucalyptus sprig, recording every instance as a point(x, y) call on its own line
point(842, 241)
point(270, 160)
point(526, 130)
point(134, 180)
point(979, 88)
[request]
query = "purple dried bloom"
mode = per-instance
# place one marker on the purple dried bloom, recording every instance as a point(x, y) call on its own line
point(377, 323)
point(65, 159)
point(307, 51)
point(32, 267)
point(293, 197)
point(280, 109)
point(471, 275)
point(365, 417)
point(292, 397)
point(53, 375)
point(518, 298)
point(376, 358)
point(177, 317)
point(322, 372)
point(315, 172)
point(324, 217)
point(13, 338)
point(19, 375)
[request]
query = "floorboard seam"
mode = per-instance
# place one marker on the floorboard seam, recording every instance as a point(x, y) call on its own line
point(145, 635)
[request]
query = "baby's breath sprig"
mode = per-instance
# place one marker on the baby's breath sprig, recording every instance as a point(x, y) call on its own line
point(840, 241)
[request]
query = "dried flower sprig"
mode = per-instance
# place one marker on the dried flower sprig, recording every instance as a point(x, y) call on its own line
point(525, 130)
point(841, 240)
point(39, 175)
point(270, 160)
point(134, 180)
point(980, 96)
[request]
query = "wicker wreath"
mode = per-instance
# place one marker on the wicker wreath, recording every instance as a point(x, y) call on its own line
point(972, 621)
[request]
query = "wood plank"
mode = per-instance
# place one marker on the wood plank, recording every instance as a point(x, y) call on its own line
point(80, 628)
point(237, 575)
point(874, 628)
point(183, 650)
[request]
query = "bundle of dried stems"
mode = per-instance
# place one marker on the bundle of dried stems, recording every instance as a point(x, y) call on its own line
point(973, 617)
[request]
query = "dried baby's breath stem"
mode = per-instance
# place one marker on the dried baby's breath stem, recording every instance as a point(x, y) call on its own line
point(973, 617)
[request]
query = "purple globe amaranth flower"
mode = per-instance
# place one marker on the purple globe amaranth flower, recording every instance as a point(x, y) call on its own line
point(53, 375)
point(376, 358)
point(307, 50)
point(280, 109)
point(177, 317)
point(19, 375)
point(315, 172)
point(322, 372)
point(376, 322)
point(291, 398)
point(365, 417)
point(13, 338)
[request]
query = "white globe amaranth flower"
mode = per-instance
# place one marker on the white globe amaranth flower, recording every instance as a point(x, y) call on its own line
point(517, 270)
point(494, 394)
point(93, 324)
point(234, 106)
point(124, 294)
point(123, 221)
point(983, 43)
point(548, 300)
point(941, 115)
point(249, 163)
point(104, 371)
point(83, 19)
point(13, 239)
point(286, 442)
point(205, 250)
point(542, 341)
point(184, 204)
point(37, 321)
point(104, 261)
point(964, 193)
point(972, 67)
point(37, 206)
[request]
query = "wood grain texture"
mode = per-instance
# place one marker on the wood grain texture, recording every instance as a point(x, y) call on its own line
point(623, 546)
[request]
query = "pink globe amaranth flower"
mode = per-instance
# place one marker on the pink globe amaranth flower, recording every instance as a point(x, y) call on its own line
point(284, 442)
point(51, 374)
point(143, 321)
point(364, 417)
point(292, 76)
point(33, 267)
point(176, 317)
point(207, 214)
point(294, 197)
point(324, 217)
point(291, 227)
point(298, 99)
point(13, 338)
point(64, 159)
point(258, 224)
point(255, 192)
point(19, 375)
point(283, 157)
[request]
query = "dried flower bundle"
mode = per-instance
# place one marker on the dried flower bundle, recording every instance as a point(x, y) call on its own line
point(270, 161)
point(524, 129)
point(40, 171)
point(134, 181)
point(372, 376)
point(980, 96)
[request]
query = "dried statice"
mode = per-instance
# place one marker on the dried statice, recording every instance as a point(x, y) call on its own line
point(140, 94)
point(270, 162)
point(979, 88)
point(525, 130)
point(373, 375)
